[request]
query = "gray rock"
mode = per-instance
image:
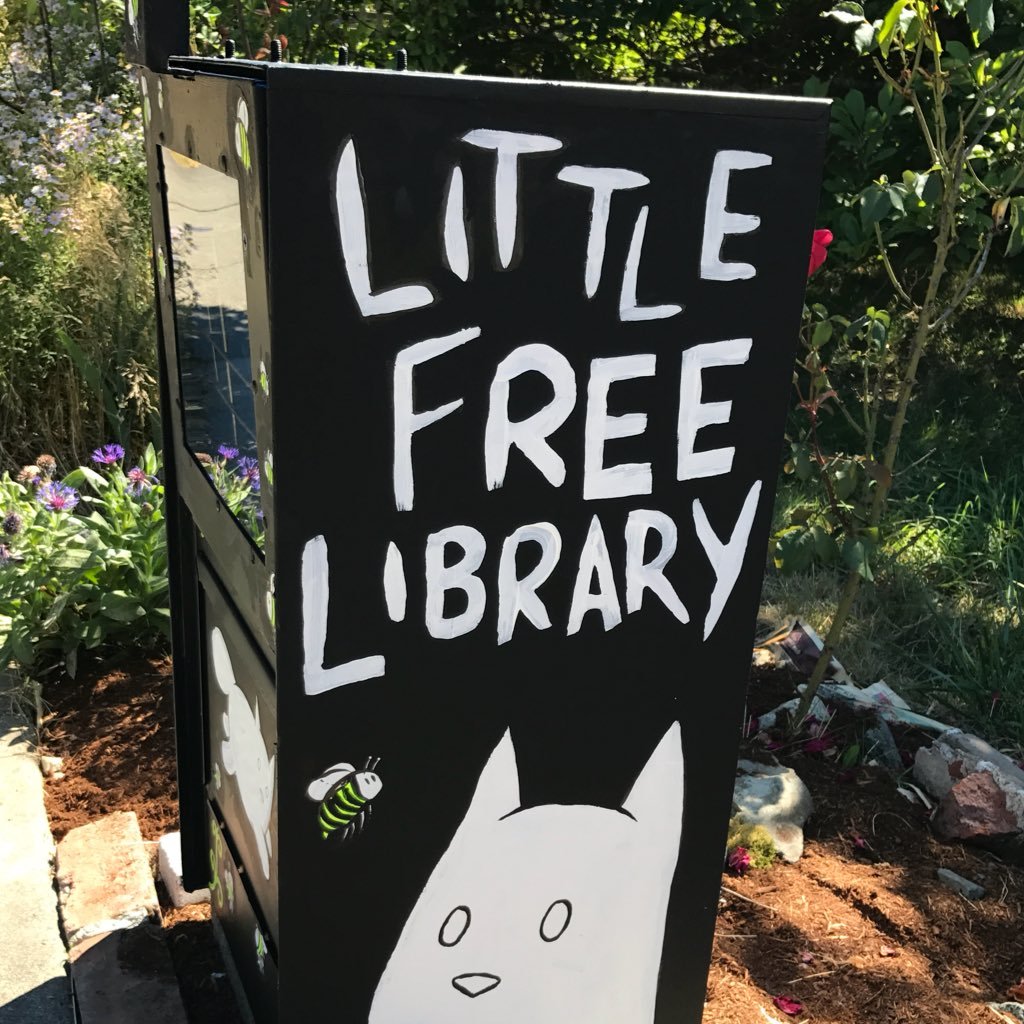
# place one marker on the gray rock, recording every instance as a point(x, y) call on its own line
point(775, 798)
point(959, 884)
point(881, 745)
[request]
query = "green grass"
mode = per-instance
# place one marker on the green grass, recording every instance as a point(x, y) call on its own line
point(944, 622)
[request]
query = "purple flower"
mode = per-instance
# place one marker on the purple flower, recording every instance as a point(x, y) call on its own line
point(108, 454)
point(249, 470)
point(12, 524)
point(57, 497)
point(137, 481)
point(227, 451)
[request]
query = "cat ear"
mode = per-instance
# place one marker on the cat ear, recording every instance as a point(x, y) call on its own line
point(223, 673)
point(657, 794)
point(497, 790)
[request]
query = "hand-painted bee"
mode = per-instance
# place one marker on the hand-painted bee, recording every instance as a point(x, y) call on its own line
point(344, 795)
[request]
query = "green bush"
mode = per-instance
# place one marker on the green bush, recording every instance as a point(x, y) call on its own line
point(83, 560)
point(77, 351)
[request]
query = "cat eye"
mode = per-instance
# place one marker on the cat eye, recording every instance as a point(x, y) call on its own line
point(454, 927)
point(556, 919)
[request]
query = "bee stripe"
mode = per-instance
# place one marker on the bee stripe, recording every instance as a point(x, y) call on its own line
point(353, 794)
point(327, 818)
point(340, 800)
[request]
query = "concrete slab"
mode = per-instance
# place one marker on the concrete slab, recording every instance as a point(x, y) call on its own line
point(34, 986)
point(103, 877)
point(126, 977)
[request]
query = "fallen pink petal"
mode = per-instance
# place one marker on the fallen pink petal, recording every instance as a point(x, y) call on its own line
point(739, 860)
point(806, 957)
point(787, 1005)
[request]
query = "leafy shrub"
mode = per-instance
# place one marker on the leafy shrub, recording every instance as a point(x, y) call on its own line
point(76, 294)
point(83, 559)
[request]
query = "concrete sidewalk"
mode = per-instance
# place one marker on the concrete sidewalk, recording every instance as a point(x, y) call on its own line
point(34, 987)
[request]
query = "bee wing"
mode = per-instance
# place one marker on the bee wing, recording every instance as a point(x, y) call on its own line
point(319, 788)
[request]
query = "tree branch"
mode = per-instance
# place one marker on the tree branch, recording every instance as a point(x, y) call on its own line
point(900, 290)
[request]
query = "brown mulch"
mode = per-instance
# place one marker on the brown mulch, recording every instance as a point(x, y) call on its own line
point(114, 728)
point(859, 930)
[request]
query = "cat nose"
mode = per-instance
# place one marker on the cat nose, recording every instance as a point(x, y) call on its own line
point(474, 985)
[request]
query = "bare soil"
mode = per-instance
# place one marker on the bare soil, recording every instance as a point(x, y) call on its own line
point(859, 930)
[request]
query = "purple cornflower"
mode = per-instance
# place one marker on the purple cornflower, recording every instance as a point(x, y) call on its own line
point(227, 451)
point(108, 454)
point(137, 481)
point(12, 524)
point(249, 470)
point(57, 497)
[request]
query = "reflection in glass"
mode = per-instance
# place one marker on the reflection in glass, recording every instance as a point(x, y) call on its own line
point(204, 217)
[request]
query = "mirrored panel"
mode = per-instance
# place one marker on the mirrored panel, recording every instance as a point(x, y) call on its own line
point(207, 261)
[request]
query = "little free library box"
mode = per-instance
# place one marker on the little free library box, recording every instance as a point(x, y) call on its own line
point(473, 395)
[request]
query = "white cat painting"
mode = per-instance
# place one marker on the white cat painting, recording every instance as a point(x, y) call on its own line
point(553, 914)
point(243, 752)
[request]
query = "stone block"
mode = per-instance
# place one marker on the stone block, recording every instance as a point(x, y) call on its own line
point(103, 877)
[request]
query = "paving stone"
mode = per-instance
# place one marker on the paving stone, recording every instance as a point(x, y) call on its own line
point(169, 861)
point(34, 985)
point(104, 879)
point(126, 977)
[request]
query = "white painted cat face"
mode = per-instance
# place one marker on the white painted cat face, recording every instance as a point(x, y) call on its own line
point(243, 752)
point(550, 915)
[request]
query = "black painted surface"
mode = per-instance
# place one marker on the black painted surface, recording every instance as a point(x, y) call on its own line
point(585, 710)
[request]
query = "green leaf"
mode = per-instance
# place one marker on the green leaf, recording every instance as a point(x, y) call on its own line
point(1015, 243)
point(855, 557)
point(794, 550)
point(846, 13)
point(890, 23)
point(120, 607)
point(864, 37)
point(822, 333)
point(957, 50)
point(84, 474)
point(845, 478)
point(854, 103)
point(981, 17)
point(825, 547)
point(851, 755)
point(875, 204)
point(71, 558)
